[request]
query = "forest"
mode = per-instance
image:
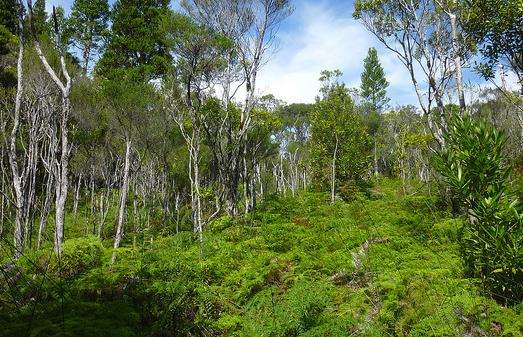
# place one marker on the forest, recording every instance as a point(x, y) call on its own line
point(151, 187)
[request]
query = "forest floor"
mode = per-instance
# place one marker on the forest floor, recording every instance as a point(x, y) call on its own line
point(383, 264)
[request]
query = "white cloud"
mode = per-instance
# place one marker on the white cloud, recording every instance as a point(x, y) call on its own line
point(320, 37)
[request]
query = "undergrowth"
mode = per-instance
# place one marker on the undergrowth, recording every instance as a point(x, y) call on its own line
point(381, 265)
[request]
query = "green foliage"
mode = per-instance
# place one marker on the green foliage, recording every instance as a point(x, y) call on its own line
point(472, 162)
point(373, 83)
point(88, 26)
point(493, 248)
point(295, 267)
point(7, 48)
point(39, 24)
point(8, 42)
point(499, 37)
point(8, 15)
point(79, 255)
point(403, 142)
point(474, 166)
point(338, 131)
point(292, 313)
point(136, 49)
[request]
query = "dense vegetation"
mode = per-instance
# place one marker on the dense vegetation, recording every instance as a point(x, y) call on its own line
point(383, 264)
point(148, 189)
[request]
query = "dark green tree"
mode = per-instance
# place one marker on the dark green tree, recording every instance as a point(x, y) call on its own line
point(8, 14)
point(39, 22)
point(136, 47)
point(373, 82)
point(88, 26)
point(374, 92)
point(339, 141)
point(8, 31)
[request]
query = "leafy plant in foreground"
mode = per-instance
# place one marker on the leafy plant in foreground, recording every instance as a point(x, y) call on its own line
point(474, 166)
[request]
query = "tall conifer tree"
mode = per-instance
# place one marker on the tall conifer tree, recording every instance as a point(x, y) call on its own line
point(373, 82)
point(136, 48)
point(374, 93)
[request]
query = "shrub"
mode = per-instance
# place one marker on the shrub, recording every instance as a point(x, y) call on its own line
point(79, 255)
point(473, 164)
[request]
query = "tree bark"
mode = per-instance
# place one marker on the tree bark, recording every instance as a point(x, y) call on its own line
point(457, 63)
point(333, 172)
point(61, 166)
point(62, 182)
point(77, 195)
point(45, 209)
point(19, 234)
point(123, 198)
point(375, 154)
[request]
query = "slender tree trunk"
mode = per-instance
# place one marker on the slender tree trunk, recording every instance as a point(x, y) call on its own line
point(61, 167)
point(91, 187)
point(177, 208)
point(457, 63)
point(196, 199)
point(123, 198)
point(260, 182)
point(104, 210)
point(62, 179)
point(19, 234)
point(333, 171)
point(375, 154)
point(282, 176)
point(87, 58)
point(77, 195)
point(45, 209)
point(135, 219)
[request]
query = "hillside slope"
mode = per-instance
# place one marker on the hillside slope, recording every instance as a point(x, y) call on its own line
point(381, 265)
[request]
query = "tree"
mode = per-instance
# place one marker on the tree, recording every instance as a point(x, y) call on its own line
point(88, 26)
point(199, 58)
point(8, 18)
point(374, 92)
point(424, 36)
point(8, 33)
point(339, 142)
point(373, 82)
point(19, 185)
point(39, 19)
point(60, 166)
point(136, 54)
point(403, 144)
point(251, 26)
point(499, 37)
point(136, 48)
point(127, 104)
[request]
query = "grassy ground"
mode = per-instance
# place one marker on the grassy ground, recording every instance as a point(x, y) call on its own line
point(384, 265)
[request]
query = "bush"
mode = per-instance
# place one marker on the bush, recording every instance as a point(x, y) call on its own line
point(473, 164)
point(493, 248)
point(79, 255)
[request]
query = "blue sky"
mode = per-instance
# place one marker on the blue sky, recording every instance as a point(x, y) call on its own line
point(321, 34)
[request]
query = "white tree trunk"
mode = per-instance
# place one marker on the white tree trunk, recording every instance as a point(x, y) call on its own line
point(77, 195)
point(123, 198)
point(19, 234)
point(457, 62)
point(333, 171)
point(62, 179)
point(61, 166)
